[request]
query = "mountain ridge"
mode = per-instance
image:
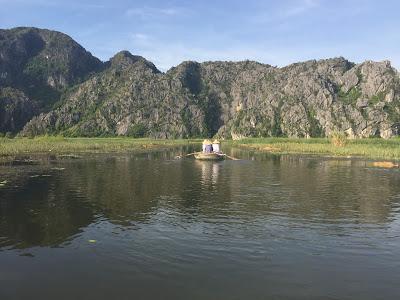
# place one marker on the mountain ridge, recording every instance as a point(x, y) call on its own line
point(128, 95)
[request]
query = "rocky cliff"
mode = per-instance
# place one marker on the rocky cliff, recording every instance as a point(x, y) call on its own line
point(129, 96)
point(39, 64)
point(15, 109)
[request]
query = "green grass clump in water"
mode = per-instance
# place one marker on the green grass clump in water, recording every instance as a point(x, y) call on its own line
point(371, 148)
point(60, 145)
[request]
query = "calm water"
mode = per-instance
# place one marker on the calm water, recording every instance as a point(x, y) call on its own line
point(147, 226)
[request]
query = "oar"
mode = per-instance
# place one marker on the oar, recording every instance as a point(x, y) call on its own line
point(181, 156)
point(191, 153)
point(231, 157)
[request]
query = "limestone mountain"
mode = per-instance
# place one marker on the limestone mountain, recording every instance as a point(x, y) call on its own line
point(230, 99)
point(49, 79)
point(38, 64)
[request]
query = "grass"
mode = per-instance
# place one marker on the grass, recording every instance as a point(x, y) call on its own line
point(338, 139)
point(63, 145)
point(370, 148)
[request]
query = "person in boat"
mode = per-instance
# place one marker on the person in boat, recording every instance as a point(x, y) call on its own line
point(207, 146)
point(216, 146)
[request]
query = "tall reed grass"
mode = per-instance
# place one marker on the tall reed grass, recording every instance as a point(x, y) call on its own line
point(59, 144)
point(370, 148)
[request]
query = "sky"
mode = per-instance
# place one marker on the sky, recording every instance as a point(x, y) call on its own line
point(169, 32)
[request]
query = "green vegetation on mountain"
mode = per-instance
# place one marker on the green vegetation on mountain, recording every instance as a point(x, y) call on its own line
point(63, 90)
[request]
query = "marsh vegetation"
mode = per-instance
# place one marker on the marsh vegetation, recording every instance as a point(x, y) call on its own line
point(335, 146)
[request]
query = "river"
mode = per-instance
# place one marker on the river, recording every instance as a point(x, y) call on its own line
point(148, 226)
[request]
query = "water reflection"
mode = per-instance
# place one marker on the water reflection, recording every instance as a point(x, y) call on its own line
point(129, 190)
point(41, 212)
point(209, 171)
point(163, 224)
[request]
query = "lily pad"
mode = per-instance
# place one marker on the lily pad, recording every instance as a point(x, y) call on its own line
point(69, 156)
point(58, 169)
point(27, 254)
point(40, 175)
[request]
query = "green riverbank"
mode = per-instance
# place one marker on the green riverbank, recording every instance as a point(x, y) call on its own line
point(62, 145)
point(368, 148)
point(374, 148)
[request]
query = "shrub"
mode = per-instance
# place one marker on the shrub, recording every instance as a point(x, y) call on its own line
point(380, 97)
point(9, 135)
point(350, 97)
point(338, 138)
point(137, 130)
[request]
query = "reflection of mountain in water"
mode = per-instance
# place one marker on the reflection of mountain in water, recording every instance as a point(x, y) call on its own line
point(129, 190)
point(338, 189)
point(43, 212)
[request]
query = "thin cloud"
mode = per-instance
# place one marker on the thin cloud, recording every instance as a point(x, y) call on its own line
point(150, 12)
point(49, 3)
point(299, 8)
point(140, 36)
point(279, 14)
point(141, 40)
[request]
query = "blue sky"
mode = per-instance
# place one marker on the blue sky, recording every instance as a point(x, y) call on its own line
point(169, 32)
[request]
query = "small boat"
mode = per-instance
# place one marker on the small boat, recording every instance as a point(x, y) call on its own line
point(209, 156)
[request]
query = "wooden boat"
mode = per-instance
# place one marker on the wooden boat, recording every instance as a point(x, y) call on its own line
point(209, 156)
